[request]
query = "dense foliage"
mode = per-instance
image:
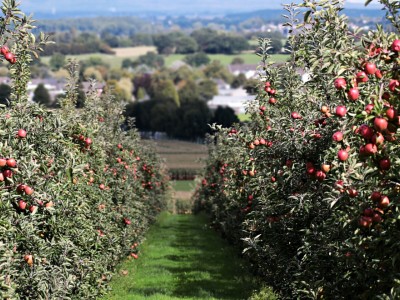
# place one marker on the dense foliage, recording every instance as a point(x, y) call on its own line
point(77, 193)
point(310, 186)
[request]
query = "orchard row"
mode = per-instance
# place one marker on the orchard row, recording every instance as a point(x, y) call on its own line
point(309, 187)
point(77, 193)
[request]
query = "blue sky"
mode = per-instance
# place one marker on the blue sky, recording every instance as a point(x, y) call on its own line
point(169, 6)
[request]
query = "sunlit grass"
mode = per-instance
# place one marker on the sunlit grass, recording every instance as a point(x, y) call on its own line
point(183, 259)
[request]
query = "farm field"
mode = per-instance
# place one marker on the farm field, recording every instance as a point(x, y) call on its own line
point(180, 154)
point(185, 265)
point(115, 61)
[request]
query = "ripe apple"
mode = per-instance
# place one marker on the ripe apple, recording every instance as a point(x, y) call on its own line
point(337, 136)
point(3, 162)
point(10, 57)
point(380, 124)
point(361, 77)
point(366, 132)
point(341, 111)
point(28, 190)
point(1, 176)
point(88, 141)
point(370, 68)
point(272, 100)
point(119, 146)
point(365, 221)
point(391, 113)
point(395, 46)
point(378, 74)
point(376, 218)
point(33, 209)
point(370, 149)
point(49, 204)
point(352, 192)
point(263, 141)
point(295, 115)
point(353, 94)
point(343, 155)
point(134, 255)
point(7, 173)
point(11, 162)
point(320, 175)
point(4, 50)
point(368, 212)
point(21, 133)
point(377, 138)
point(369, 108)
point(340, 83)
point(376, 196)
point(127, 221)
point(310, 168)
point(102, 186)
point(22, 204)
point(384, 164)
point(393, 84)
point(383, 202)
point(20, 188)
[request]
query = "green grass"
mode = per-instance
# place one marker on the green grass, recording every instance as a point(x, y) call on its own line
point(183, 258)
point(249, 58)
point(244, 117)
point(116, 62)
point(183, 185)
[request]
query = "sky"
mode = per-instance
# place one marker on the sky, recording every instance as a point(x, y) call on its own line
point(168, 6)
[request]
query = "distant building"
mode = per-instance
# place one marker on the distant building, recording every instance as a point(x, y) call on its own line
point(248, 70)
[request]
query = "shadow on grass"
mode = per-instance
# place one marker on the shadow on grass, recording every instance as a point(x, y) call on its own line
point(203, 265)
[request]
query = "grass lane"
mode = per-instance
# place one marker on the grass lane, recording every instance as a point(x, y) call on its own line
point(183, 259)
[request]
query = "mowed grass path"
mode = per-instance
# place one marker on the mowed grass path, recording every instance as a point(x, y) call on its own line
point(182, 258)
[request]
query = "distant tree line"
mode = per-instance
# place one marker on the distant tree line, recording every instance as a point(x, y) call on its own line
point(175, 102)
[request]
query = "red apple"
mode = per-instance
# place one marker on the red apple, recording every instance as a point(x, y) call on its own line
point(353, 93)
point(320, 175)
point(272, 100)
point(368, 212)
point(22, 133)
point(361, 77)
point(127, 221)
point(343, 155)
point(28, 190)
point(365, 221)
point(366, 132)
point(393, 84)
point(134, 255)
point(341, 111)
point(378, 74)
point(352, 192)
point(102, 186)
point(375, 196)
point(383, 202)
point(88, 141)
point(384, 164)
point(380, 124)
point(7, 173)
point(4, 50)
point(377, 138)
point(391, 113)
point(337, 136)
point(369, 108)
point(395, 46)
point(33, 208)
point(22, 204)
point(3, 162)
point(370, 68)
point(295, 115)
point(11, 163)
point(370, 149)
point(340, 83)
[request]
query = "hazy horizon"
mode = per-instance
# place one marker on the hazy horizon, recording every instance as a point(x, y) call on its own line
point(56, 8)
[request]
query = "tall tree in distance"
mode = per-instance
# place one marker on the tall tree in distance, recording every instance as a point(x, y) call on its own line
point(41, 95)
point(5, 92)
